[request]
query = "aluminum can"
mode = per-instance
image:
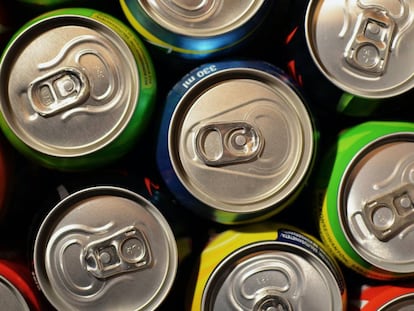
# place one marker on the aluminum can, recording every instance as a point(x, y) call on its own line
point(236, 142)
point(86, 94)
point(267, 266)
point(390, 297)
point(334, 101)
point(195, 29)
point(95, 248)
point(363, 47)
point(365, 194)
point(17, 288)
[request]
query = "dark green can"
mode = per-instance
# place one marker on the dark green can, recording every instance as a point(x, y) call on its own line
point(77, 88)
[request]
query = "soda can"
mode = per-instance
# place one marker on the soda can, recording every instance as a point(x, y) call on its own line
point(86, 94)
point(17, 288)
point(236, 142)
point(197, 29)
point(389, 297)
point(334, 101)
point(105, 248)
point(363, 47)
point(267, 266)
point(365, 194)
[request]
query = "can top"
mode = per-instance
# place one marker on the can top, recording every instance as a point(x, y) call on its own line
point(404, 302)
point(376, 202)
point(11, 298)
point(271, 275)
point(363, 47)
point(68, 85)
point(241, 139)
point(201, 18)
point(105, 248)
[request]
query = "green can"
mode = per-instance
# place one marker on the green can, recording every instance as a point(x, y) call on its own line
point(365, 194)
point(77, 89)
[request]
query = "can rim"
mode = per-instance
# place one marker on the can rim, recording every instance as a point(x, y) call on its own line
point(159, 14)
point(33, 27)
point(342, 195)
point(393, 90)
point(302, 169)
point(263, 246)
point(42, 235)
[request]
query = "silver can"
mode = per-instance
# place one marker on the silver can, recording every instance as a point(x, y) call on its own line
point(11, 298)
point(105, 248)
point(237, 141)
point(376, 203)
point(279, 269)
point(76, 89)
point(196, 29)
point(363, 47)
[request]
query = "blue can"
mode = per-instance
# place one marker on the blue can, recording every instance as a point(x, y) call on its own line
point(197, 29)
point(236, 141)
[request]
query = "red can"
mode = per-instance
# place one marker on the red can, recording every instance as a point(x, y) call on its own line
point(387, 297)
point(17, 288)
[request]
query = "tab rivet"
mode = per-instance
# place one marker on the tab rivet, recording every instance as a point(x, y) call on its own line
point(105, 257)
point(405, 202)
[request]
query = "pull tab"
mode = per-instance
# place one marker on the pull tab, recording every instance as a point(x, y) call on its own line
point(58, 91)
point(272, 302)
point(390, 214)
point(125, 251)
point(368, 50)
point(227, 143)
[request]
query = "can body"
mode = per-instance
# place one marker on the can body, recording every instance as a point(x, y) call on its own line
point(17, 288)
point(195, 30)
point(95, 247)
point(236, 141)
point(384, 298)
point(87, 93)
point(365, 199)
point(363, 48)
point(262, 266)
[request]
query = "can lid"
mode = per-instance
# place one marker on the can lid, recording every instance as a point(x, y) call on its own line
point(401, 303)
point(363, 47)
point(201, 18)
point(241, 140)
point(68, 85)
point(376, 203)
point(11, 298)
point(105, 248)
point(271, 275)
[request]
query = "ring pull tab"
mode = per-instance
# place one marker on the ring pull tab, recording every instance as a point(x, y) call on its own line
point(388, 215)
point(125, 251)
point(219, 144)
point(58, 91)
point(369, 47)
point(272, 301)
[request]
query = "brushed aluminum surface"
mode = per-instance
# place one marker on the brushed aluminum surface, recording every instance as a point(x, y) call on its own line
point(69, 85)
point(362, 46)
point(201, 18)
point(376, 203)
point(105, 248)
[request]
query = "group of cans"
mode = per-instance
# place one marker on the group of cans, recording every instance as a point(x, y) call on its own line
point(227, 182)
